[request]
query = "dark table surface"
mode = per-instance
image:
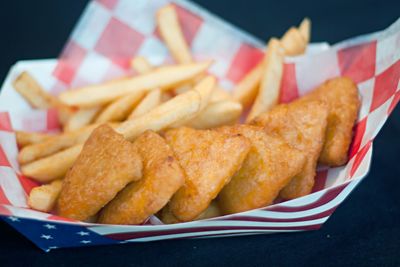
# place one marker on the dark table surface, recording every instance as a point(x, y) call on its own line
point(364, 230)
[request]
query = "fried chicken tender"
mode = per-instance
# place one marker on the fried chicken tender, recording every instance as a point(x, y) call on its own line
point(105, 166)
point(162, 177)
point(269, 166)
point(302, 125)
point(341, 96)
point(210, 159)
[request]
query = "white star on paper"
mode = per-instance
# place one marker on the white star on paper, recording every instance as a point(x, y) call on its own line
point(86, 241)
point(47, 237)
point(49, 226)
point(14, 219)
point(82, 233)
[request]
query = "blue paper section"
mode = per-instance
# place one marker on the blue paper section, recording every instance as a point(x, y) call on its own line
point(50, 235)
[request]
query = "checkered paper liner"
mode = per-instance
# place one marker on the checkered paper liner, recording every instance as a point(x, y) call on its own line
point(111, 32)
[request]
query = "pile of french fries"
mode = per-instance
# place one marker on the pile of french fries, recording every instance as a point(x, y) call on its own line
point(157, 98)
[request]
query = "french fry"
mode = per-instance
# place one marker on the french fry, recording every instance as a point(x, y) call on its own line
point(293, 42)
point(119, 109)
point(163, 77)
point(153, 98)
point(141, 65)
point(246, 90)
point(217, 114)
point(183, 88)
point(150, 101)
point(165, 96)
point(219, 94)
point(81, 118)
point(171, 32)
point(53, 167)
point(44, 197)
point(305, 29)
point(268, 94)
point(178, 108)
point(29, 138)
point(33, 93)
point(55, 144)
point(37, 97)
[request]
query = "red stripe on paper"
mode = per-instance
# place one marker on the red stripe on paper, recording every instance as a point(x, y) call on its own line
point(359, 157)
point(270, 219)
point(135, 235)
point(3, 158)
point(5, 122)
point(289, 90)
point(328, 196)
point(3, 198)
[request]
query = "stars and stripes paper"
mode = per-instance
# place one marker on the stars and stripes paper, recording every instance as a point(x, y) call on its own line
point(53, 235)
point(110, 33)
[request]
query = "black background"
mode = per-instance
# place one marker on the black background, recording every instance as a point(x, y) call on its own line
point(363, 231)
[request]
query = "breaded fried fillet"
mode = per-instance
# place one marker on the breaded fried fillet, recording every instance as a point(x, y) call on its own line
point(106, 165)
point(302, 124)
point(268, 167)
point(210, 159)
point(162, 177)
point(341, 96)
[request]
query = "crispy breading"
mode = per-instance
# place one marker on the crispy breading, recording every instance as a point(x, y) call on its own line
point(162, 177)
point(303, 126)
point(105, 166)
point(341, 96)
point(269, 166)
point(211, 212)
point(210, 159)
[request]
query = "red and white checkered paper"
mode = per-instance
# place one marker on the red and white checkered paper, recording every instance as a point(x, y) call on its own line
point(111, 32)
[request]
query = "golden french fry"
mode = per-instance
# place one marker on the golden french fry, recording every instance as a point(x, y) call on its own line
point(37, 97)
point(119, 109)
point(219, 94)
point(178, 108)
point(305, 29)
point(183, 88)
point(268, 94)
point(293, 42)
point(44, 197)
point(217, 114)
point(29, 138)
point(153, 98)
point(30, 89)
point(55, 144)
point(141, 65)
point(163, 77)
point(53, 167)
point(165, 96)
point(150, 101)
point(171, 32)
point(81, 118)
point(246, 90)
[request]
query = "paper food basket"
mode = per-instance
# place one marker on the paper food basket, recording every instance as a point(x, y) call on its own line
point(111, 32)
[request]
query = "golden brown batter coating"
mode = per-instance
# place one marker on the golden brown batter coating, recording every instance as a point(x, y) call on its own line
point(341, 96)
point(269, 166)
point(105, 166)
point(210, 159)
point(162, 177)
point(302, 124)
